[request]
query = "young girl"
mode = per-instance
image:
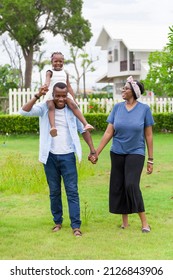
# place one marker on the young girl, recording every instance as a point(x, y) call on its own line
point(57, 74)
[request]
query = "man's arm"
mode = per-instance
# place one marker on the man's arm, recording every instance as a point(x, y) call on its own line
point(88, 139)
point(28, 106)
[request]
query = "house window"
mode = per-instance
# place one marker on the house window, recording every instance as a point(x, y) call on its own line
point(110, 58)
point(115, 54)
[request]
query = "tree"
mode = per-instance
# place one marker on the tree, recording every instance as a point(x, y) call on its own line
point(160, 76)
point(170, 37)
point(40, 63)
point(15, 56)
point(27, 21)
point(85, 65)
point(9, 78)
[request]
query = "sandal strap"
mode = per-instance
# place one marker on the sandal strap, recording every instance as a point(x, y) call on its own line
point(146, 229)
point(58, 226)
point(76, 231)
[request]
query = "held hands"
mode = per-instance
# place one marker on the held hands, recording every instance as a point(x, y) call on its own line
point(93, 157)
point(43, 90)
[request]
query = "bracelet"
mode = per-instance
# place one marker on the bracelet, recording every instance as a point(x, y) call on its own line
point(37, 96)
point(150, 162)
point(150, 158)
point(93, 153)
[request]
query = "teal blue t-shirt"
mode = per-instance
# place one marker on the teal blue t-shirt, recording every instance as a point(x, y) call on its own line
point(129, 128)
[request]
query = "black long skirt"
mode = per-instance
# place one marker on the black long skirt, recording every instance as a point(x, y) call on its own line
point(125, 196)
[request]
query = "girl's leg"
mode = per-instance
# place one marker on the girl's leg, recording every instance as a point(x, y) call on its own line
point(51, 114)
point(73, 106)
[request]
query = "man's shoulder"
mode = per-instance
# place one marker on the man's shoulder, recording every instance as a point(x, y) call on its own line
point(42, 105)
point(70, 115)
point(69, 111)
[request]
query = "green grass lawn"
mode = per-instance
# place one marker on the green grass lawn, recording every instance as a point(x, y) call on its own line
point(26, 221)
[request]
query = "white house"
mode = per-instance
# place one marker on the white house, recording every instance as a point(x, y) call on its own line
point(127, 53)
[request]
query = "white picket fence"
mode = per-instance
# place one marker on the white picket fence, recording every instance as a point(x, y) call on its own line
point(17, 98)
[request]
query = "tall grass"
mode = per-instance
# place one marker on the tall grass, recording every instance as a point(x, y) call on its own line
point(25, 219)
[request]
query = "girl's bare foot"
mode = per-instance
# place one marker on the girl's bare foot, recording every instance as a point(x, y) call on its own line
point(88, 127)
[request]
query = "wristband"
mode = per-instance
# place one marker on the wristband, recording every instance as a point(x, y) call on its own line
point(37, 96)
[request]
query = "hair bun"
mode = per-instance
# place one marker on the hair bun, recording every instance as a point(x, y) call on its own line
point(141, 86)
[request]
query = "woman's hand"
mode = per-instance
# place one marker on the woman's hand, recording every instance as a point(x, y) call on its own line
point(93, 157)
point(149, 168)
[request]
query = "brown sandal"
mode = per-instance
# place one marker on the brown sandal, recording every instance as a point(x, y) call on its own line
point(124, 227)
point(77, 232)
point(57, 227)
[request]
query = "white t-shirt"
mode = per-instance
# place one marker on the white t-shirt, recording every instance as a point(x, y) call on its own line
point(62, 143)
point(57, 77)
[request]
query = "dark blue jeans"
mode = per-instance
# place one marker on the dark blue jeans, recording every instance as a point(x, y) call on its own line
point(56, 168)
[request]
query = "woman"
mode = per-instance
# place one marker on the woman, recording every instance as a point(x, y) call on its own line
point(130, 126)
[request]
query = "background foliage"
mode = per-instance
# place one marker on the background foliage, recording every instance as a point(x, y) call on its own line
point(160, 75)
point(16, 124)
point(27, 21)
point(8, 79)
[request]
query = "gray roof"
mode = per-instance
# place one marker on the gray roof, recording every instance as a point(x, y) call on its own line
point(138, 38)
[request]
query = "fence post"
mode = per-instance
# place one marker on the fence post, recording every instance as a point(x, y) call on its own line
point(10, 102)
point(17, 98)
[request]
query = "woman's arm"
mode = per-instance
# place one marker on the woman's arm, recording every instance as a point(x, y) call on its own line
point(106, 138)
point(149, 142)
point(104, 141)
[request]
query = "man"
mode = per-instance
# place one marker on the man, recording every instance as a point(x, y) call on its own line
point(58, 153)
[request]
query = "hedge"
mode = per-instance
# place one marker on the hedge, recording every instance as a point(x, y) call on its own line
point(16, 124)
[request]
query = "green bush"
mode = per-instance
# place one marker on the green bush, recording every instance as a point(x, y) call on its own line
point(17, 124)
point(97, 120)
point(163, 122)
point(94, 107)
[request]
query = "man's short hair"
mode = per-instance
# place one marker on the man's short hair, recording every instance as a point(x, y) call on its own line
point(59, 85)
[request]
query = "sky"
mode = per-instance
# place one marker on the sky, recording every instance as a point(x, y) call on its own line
point(127, 17)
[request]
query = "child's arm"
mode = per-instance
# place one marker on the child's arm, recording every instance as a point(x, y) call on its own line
point(51, 114)
point(48, 77)
point(73, 106)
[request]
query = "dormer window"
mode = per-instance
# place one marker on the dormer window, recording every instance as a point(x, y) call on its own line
point(112, 55)
point(110, 58)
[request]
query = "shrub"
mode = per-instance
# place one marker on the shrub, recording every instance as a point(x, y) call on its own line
point(17, 124)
